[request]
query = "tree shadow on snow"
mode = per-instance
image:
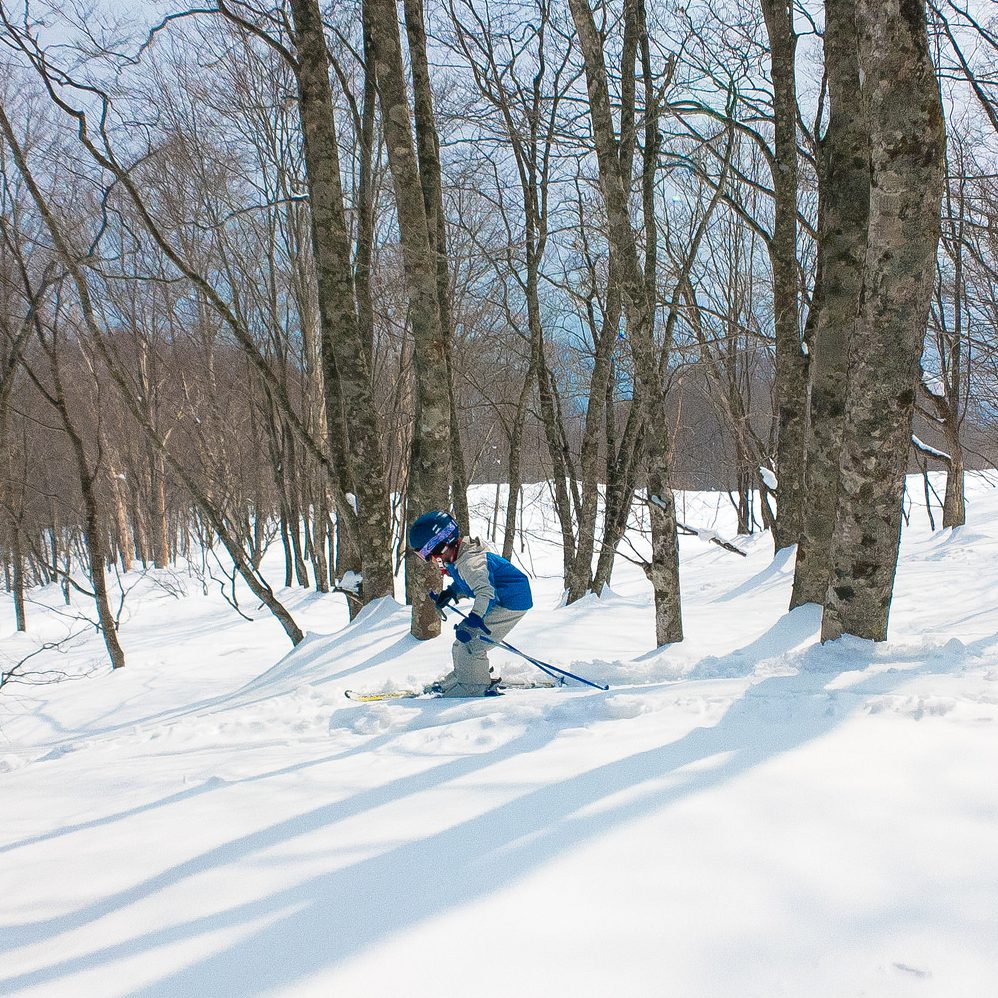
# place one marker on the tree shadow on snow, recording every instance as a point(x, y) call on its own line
point(326, 816)
point(207, 786)
point(314, 925)
point(775, 573)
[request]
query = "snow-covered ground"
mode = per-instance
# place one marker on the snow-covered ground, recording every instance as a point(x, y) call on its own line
point(745, 814)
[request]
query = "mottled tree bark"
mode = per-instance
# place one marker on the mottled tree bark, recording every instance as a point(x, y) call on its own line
point(429, 479)
point(639, 310)
point(907, 149)
point(844, 191)
point(950, 412)
point(954, 501)
point(365, 198)
point(344, 355)
point(791, 362)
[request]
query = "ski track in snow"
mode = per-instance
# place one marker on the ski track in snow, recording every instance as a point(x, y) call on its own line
point(746, 813)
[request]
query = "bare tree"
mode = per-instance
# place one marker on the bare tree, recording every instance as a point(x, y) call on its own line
point(946, 378)
point(70, 259)
point(429, 476)
point(52, 337)
point(637, 285)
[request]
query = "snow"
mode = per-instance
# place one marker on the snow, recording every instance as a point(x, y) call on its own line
point(931, 451)
point(933, 384)
point(351, 582)
point(746, 813)
point(769, 478)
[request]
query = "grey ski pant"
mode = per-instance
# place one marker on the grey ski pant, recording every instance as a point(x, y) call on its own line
point(471, 676)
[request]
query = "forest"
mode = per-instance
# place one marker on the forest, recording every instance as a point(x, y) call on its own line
point(292, 273)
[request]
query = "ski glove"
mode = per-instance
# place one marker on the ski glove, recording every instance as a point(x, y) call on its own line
point(449, 595)
point(465, 631)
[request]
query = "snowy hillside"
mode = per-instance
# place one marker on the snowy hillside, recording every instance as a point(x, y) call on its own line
point(745, 814)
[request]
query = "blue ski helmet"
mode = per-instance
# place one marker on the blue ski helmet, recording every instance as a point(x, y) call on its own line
point(432, 531)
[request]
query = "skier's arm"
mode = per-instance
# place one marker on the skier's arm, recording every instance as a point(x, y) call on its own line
point(475, 572)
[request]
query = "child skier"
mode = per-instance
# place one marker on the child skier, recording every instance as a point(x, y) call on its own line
point(500, 590)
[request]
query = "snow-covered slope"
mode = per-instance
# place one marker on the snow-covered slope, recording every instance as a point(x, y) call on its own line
point(747, 813)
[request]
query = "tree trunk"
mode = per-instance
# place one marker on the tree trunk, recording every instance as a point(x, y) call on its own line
point(560, 460)
point(296, 515)
point(18, 581)
point(844, 190)
point(344, 356)
point(791, 362)
point(320, 538)
point(429, 479)
point(98, 570)
point(93, 532)
point(623, 459)
point(123, 530)
point(161, 552)
point(140, 519)
point(744, 504)
point(954, 501)
point(428, 154)
point(366, 194)
point(579, 579)
point(514, 474)
point(907, 149)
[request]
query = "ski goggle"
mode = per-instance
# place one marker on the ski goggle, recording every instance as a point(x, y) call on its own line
point(439, 540)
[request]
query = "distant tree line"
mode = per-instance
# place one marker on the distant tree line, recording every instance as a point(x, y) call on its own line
point(293, 274)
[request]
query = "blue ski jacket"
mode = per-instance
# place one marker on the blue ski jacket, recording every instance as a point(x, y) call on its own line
point(489, 579)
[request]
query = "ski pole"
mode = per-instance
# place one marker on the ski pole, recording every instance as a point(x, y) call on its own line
point(547, 669)
point(552, 670)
